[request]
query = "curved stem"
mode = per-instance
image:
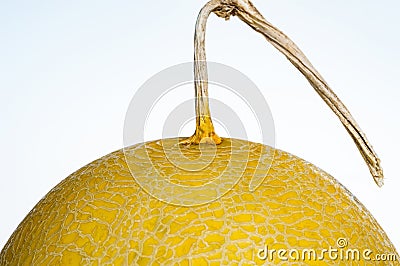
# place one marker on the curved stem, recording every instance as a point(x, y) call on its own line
point(246, 12)
point(204, 126)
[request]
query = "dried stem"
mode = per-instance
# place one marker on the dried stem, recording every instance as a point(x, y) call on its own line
point(204, 126)
point(245, 10)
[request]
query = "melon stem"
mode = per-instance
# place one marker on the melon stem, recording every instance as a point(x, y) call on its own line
point(204, 126)
point(246, 12)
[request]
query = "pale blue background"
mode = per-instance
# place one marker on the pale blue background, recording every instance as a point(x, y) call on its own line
point(69, 69)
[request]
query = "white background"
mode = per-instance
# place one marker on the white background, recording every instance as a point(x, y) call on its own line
point(69, 69)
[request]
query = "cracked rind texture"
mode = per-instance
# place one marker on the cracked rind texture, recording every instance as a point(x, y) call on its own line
point(99, 215)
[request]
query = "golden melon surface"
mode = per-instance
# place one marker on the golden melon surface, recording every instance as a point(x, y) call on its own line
point(99, 215)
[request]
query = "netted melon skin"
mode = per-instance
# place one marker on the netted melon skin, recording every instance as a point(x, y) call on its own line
point(99, 215)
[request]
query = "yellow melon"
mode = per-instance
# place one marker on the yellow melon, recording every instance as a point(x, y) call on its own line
point(101, 216)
